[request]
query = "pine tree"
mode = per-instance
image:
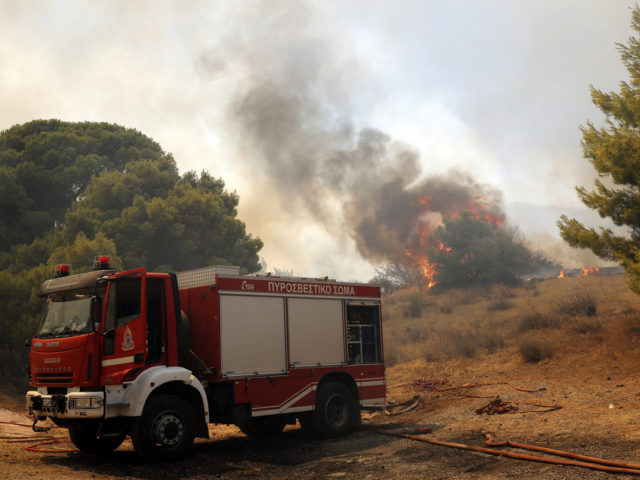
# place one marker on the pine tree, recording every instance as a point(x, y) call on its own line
point(614, 152)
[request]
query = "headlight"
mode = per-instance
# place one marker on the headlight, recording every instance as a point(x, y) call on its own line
point(84, 403)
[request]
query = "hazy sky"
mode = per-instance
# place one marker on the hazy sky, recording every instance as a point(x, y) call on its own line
point(262, 92)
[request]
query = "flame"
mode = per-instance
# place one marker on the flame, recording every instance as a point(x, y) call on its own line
point(442, 246)
point(590, 271)
point(561, 274)
point(478, 207)
point(428, 269)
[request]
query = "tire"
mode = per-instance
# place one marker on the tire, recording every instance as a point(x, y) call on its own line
point(337, 411)
point(165, 430)
point(89, 442)
point(262, 427)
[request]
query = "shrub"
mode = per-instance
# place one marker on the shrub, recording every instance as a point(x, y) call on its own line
point(500, 304)
point(534, 350)
point(491, 342)
point(466, 296)
point(581, 303)
point(502, 291)
point(415, 334)
point(446, 305)
point(458, 344)
point(414, 306)
point(535, 321)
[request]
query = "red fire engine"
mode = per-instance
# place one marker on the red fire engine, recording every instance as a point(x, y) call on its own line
point(159, 356)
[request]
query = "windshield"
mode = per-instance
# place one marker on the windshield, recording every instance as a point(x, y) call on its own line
point(66, 314)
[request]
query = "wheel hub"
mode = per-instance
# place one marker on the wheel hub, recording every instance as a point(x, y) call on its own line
point(337, 410)
point(168, 429)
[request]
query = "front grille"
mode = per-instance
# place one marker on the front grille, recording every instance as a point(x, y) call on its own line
point(55, 377)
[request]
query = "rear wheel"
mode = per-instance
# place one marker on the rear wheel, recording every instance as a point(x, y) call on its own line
point(89, 442)
point(166, 429)
point(337, 411)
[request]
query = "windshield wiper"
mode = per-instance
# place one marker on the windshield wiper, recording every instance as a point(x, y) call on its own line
point(45, 335)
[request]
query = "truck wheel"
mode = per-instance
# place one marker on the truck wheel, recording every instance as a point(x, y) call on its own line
point(165, 430)
point(89, 442)
point(337, 411)
point(263, 426)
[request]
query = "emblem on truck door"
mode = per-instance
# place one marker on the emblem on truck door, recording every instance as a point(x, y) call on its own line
point(127, 340)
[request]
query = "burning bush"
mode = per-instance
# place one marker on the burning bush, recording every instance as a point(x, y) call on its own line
point(468, 251)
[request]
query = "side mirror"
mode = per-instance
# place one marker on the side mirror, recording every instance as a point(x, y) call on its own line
point(27, 342)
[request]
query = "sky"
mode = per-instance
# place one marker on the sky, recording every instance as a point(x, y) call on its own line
point(309, 110)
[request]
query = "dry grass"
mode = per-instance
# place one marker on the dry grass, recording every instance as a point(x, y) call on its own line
point(446, 305)
point(480, 322)
point(500, 304)
point(586, 325)
point(14, 403)
point(502, 291)
point(535, 321)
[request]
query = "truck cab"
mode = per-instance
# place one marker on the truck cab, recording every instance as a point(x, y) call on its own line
point(100, 334)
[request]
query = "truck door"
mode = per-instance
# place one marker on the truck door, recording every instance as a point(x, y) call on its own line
point(124, 327)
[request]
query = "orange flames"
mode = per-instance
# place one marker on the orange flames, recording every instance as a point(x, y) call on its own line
point(429, 222)
point(585, 271)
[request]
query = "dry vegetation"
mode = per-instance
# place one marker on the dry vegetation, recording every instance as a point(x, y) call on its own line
point(533, 320)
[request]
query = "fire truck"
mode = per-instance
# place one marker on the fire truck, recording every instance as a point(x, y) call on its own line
point(160, 356)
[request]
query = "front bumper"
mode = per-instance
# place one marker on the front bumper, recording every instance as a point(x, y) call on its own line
point(71, 405)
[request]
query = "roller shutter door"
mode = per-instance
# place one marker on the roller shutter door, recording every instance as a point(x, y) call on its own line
point(316, 332)
point(252, 333)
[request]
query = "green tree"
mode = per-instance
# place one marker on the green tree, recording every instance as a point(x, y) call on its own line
point(164, 221)
point(614, 152)
point(46, 165)
point(468, 251)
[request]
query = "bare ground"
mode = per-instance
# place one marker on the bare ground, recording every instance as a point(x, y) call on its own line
point(594, 377)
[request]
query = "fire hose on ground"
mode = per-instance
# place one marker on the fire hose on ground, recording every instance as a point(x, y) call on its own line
point(36, 447)
point(495, 406)
point(570, 459)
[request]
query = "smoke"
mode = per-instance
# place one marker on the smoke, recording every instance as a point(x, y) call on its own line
point(294, 115)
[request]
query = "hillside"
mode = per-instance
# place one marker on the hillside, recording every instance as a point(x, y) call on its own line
point(477, 323)
point(465, 338)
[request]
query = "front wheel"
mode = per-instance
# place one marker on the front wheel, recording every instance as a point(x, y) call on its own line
point(166, 429)
point(337, 411)
point(89, 442)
